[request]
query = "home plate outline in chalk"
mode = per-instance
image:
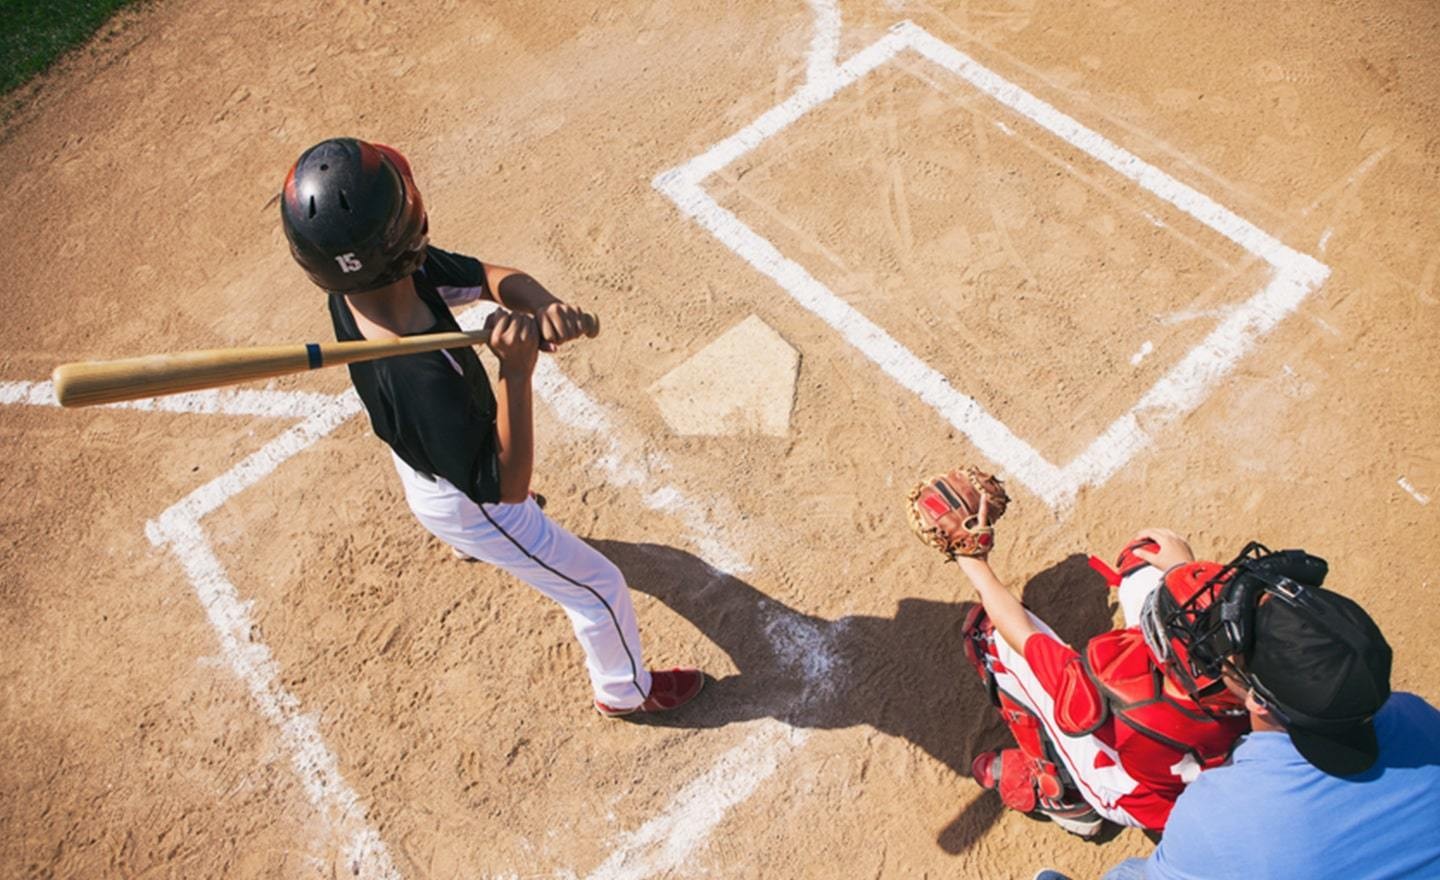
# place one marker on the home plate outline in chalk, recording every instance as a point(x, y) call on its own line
point(1180, 390)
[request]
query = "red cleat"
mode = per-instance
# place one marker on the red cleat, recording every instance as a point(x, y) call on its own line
point(668, 690)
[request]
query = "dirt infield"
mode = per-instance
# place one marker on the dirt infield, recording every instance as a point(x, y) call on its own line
point(230, 651)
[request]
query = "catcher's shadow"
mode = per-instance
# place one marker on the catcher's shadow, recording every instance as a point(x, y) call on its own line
point(906, 676)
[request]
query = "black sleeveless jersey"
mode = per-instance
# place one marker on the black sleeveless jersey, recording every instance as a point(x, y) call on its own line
point(439, 421)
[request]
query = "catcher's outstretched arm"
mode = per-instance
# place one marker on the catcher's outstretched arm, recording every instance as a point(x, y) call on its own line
point(954, 512)
point(1003, 607)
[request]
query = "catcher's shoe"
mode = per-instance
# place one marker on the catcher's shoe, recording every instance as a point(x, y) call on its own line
point(1009, 772)
point(985, 769)
point(669, 690)
point(1079, 818)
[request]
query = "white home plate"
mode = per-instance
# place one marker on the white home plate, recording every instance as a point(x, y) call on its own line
point(742, 383)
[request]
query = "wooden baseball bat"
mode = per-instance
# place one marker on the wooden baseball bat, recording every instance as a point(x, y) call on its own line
point(89, 383)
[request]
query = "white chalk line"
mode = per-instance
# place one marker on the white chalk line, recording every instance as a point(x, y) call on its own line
point(1179, 391)
point(825, 43)
point(179, 529)
point(336, 802)
point(225, 402)
point(1419, 496)
point(667, 842)
point(261, 463)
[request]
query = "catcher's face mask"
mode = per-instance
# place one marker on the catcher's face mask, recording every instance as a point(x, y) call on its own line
point(1169, 619)
point(1206, 619)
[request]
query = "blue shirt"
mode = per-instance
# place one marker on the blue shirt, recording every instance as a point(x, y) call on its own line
point(1269, 813)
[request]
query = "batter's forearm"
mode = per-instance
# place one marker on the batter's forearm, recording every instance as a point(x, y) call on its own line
point(1010, 618)
point(515, 433)
point(517, 291)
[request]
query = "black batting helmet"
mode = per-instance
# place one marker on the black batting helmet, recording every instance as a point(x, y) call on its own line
point(353, 215)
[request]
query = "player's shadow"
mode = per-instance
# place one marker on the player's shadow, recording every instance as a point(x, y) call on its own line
point(906, 675)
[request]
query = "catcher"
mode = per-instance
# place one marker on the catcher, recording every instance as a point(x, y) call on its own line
point(1114, 731)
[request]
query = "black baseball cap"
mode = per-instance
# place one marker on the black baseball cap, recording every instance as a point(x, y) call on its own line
point(1320, 660)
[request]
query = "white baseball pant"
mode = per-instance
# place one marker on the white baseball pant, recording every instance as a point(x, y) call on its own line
point(523, 541)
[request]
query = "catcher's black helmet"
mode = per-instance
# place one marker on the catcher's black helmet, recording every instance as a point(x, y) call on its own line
point(353, 215)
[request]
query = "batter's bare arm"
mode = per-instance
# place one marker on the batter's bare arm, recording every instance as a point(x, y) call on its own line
point(559, 321)
point(514, 339)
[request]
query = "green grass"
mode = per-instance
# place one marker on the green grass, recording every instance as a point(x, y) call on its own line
point(33, 33)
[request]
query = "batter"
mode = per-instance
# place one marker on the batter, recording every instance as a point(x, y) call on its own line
point(464, 450)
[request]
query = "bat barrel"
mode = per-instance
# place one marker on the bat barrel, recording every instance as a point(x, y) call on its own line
point(98, 382)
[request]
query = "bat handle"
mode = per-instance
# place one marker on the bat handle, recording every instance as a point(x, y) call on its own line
point(589, 325)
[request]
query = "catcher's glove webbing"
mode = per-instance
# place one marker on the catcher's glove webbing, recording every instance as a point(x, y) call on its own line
point(945, 511)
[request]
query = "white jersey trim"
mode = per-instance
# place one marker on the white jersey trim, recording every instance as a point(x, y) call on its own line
point(459, 296)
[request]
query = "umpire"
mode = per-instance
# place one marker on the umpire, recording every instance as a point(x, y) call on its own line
point(1340, 778)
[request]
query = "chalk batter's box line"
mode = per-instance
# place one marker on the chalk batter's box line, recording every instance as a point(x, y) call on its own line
point(180, 530)
point(1183, 388)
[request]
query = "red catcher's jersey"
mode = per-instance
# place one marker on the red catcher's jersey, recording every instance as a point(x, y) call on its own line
point(1115, 693)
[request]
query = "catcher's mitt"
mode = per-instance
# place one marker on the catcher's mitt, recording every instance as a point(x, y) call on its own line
point(945, 511)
